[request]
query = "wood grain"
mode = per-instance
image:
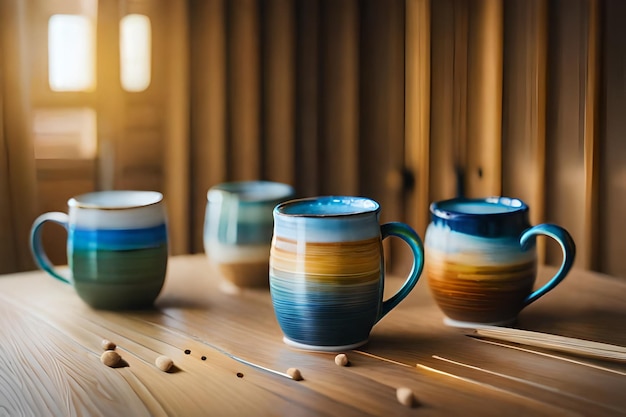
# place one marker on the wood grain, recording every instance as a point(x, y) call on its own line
point(417, 112)
point(591, 131)
point(524, 107)
point(338, 106)
point(484, 99)
point(279, 91)
point(244, 91)
point(49, 358)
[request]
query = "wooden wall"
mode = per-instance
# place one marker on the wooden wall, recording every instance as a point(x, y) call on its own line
point(414, 101)
point(404, 101)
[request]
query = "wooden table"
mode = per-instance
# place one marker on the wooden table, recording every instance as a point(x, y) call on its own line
point(50, 347)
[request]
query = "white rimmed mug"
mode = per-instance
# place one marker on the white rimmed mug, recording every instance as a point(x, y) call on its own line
point(117, 247)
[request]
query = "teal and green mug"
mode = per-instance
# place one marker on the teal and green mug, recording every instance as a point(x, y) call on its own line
point(117, 247)
point(481, 261)
point(238, 231)
point(327, 270)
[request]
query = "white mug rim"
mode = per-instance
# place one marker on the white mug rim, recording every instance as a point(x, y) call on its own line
point(93, 200)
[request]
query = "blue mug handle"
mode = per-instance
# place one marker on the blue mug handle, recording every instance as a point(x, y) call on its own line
point(569, 254)
point(406, 233)
point(36, 247)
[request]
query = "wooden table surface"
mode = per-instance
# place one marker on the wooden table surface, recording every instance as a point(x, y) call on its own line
point(50, 347)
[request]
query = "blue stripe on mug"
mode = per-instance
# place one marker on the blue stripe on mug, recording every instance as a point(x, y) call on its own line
point(118, 239)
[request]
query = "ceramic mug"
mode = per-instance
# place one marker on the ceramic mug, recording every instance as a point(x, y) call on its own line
point(481, 261)
point(238, 230)
point(327, 270)
point(117, 247)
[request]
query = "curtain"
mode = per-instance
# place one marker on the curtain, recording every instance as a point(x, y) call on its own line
point(17, 165)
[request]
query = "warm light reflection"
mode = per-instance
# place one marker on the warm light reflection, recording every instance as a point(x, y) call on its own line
point(135, 52)
point(71, 47)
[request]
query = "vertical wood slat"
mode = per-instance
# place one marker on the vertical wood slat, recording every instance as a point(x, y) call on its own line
point(443, 164)
point(417, 111)
point(460, 22)
point(589, 256)
point(612, 222)
point(538, 129)
point(307, 98)
point(381, 105)
point(565, 176)
point(244, 90)
point(381, 112)
point(339, 78)
point(208, 106)
point(17, 167)
point(278, 90)
point(524, 106)
point(178, 152)
point(484, 115)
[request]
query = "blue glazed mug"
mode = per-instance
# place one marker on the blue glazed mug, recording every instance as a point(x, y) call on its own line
point(327, 270)
point(117, 247)
point(481, 261)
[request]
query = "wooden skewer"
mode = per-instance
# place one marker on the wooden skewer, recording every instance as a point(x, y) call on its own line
point(571, 345)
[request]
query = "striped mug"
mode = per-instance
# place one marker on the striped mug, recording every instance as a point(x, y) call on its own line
point(327, 270)
point(481, 260)
point(117, 247)
point(238, 231)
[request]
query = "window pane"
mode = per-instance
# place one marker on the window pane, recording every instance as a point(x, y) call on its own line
point(135, 50)
point(71, 49)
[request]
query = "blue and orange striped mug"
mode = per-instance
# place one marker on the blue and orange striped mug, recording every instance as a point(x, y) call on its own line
point(327, 270)
point(117, 247)
point(481, 259)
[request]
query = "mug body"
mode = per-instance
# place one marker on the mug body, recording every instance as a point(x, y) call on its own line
point(476, 268)
point(118, 248)
point(238, 230)
point(326, 274)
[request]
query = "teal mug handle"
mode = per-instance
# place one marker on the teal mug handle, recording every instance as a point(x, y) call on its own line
point(36, 247)
point(568, 248)
point(406, 233)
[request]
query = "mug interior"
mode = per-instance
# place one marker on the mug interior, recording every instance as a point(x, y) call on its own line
point(491, 205)
point(328, 206)
point(117, 199)
point(486, 217)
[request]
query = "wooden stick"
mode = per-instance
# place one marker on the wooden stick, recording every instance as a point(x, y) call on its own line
point(559, 343)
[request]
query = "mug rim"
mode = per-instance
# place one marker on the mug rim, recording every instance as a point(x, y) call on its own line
point(278, 190)
point(282, 208)
point(508, 222)
point(514, 207)
point(144, 199)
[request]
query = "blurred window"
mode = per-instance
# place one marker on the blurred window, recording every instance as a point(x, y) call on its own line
point(135, 52)
point(71, 53)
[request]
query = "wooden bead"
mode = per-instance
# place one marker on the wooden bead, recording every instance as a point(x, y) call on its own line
point(108, 345)
point(342, 360)
point(110, 358)
point(406, 397)
point(164, 363)
point(295, 374)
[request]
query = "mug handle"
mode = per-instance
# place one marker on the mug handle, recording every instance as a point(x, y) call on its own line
point(36, 246)
point(567, 246)
point(406, 233)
